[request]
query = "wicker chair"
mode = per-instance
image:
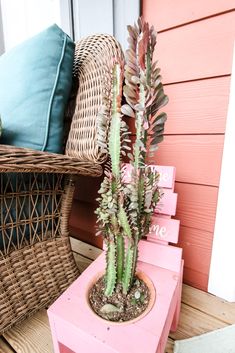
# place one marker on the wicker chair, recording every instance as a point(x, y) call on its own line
point(36, 191)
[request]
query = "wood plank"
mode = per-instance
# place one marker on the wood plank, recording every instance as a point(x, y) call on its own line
point(32, 335)
point(196, 279)
point(80, 212)
point(209, 304)
point(83, 223)
point(197, 107)
point(87, 188)
point(89, 251)
point(4, 347)
point(167, 204)
point(166, 175)
point(169, 13)
point(165, 229)
point(86, 237)
point(192, 155)
point(81, 261)
point(199, 50)
point(194, 322)
point(169, 346)
point(196, 206)
point(197, 245)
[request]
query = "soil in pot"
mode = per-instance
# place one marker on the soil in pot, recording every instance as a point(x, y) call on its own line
point(119, 307)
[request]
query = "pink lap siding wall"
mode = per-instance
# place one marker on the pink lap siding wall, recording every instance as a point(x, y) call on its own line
point(195, 46)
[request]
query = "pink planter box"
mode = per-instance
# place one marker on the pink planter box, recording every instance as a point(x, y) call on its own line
point(76, 328)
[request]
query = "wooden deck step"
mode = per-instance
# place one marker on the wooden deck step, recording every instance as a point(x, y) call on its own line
point(32, 335)
point(209, 304)
point(89, 251)
point(4, 347)
point(200, 313)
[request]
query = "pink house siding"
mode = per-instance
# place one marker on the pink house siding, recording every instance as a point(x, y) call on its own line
point(195, 45)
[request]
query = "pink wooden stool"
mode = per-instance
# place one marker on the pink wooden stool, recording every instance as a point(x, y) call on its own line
point(75, 328)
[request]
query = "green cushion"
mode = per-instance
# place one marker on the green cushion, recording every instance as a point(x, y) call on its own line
point(35, 83)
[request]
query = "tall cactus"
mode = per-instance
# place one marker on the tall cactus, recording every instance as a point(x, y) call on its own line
point(125, 210)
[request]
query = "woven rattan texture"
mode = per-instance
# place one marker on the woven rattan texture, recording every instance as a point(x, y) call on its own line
point(36, 192)
point(95, 57)
point(30, 209)
point(33, 277)
point(13, 159)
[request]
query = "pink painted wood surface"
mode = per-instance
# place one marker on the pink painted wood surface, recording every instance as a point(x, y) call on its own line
point(197, 248)
point(164, 229)
point(196, 206)
point(191, 155)
point(64, 349)
point(197, 254)
point(197, 107)
point(195, 279)
point(170, 13)
point(167, 204)
point(54, 335)
point(80, 330)
point(166, 178)
point(175, 321)
point(189, 52)
point(168, 257)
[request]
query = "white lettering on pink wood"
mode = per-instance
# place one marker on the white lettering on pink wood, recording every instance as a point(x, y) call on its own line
point(164, 229)
point(166, 175)
point(159, 231)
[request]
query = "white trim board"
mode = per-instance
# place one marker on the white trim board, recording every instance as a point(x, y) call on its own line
point(126, 12)
point(2, 49)
point(92, 17)
point(222, 268)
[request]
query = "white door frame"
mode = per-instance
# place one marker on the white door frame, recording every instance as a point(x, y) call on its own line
point(2, 46)
point(104, 16)
point(222, 268)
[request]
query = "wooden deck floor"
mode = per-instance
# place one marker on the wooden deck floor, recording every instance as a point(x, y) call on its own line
point(200, 313)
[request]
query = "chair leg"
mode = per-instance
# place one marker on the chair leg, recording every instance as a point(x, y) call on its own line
point(54, 336)
point(175, 320)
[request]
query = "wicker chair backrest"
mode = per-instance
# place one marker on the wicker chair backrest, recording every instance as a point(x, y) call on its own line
point(94, 59)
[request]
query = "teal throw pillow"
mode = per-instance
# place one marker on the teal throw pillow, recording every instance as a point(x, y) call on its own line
point(35, 83)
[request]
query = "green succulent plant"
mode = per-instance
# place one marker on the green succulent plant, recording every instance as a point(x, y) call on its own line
point(125, 209)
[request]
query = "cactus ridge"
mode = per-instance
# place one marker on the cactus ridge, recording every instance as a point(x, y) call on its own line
point(111, 271)
point(127, 276)
point(120, 257)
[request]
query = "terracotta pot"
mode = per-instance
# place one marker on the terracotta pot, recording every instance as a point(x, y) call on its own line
point(140, 275)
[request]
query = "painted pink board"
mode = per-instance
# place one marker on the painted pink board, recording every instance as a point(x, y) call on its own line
point(196, 206)
point(191, 155)
point(167, 204)
point(166, 179)
point(200, 43)
point(164, 229)
point(170, 13)
point(167, 175)
point(75, 325)
point(197, 107)
point(168, 257)
point(175, 321)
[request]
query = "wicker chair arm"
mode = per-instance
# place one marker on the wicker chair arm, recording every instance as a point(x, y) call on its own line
point(17, 159)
